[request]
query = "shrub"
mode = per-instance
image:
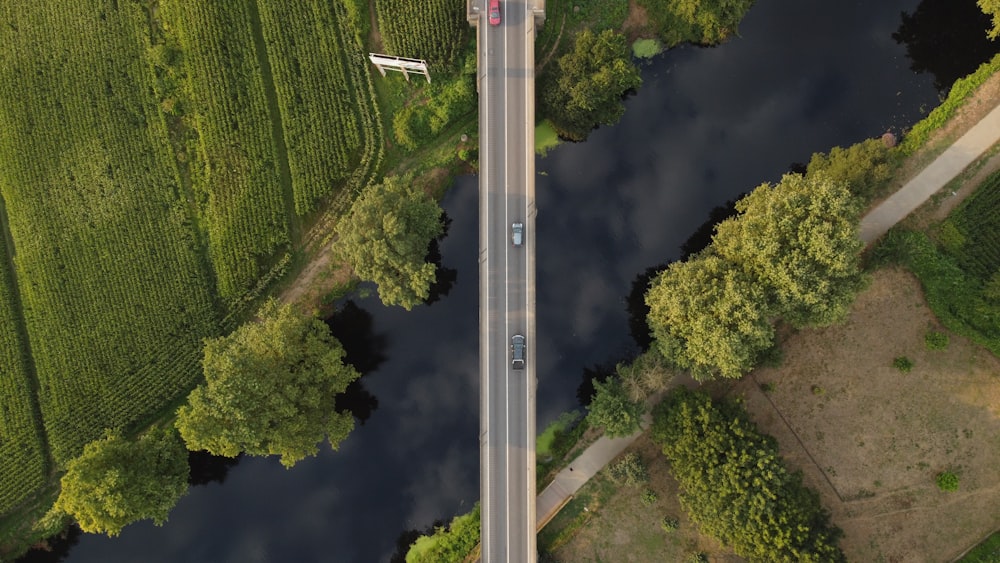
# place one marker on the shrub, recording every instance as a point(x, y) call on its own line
point(648, 497)
point(936, 340)
point(669, 524)
point(947, 481)
point(902, 363)
point(734, 485)
point(629, 471)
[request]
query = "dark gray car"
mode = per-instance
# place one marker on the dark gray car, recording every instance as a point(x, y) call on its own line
point(517, 351)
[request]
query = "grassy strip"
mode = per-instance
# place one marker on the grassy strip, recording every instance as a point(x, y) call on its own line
point(986, 552)
point(960, 91)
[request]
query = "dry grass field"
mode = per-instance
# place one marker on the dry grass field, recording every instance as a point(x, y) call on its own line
point(871, 438)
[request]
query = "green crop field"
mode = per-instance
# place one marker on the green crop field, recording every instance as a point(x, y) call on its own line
point(157, 161)
point(22, 452)
point(435, 31)
point(979, 224)
point(315, 94)
point(115, 297)
point(237, 178)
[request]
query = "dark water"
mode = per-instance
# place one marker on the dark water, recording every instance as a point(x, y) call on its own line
point(707, 125)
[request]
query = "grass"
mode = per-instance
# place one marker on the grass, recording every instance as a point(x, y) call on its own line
point(986, 552)
point(545, 137)
point(565, 445)
point(575, 515)
point(960, 91)
point(646, 48)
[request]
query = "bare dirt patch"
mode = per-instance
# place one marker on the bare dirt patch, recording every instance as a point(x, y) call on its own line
point(871, 439)
point(320, 276)
point(637, 22)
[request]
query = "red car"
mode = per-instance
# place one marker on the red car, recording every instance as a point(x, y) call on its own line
point(494, 12)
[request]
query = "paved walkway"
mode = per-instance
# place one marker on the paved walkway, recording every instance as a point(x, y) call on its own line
point(945, 167)
point(876, 223)
point(579, 471)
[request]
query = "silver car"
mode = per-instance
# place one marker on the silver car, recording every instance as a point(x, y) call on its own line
point(517, 234)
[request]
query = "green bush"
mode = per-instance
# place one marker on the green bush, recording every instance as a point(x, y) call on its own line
point(947, 481)
point(453, 544)
point(629, 471)
point(648, 497)
point(935, 340)
point(902, 363)
point(734, 485)
point(669, 524)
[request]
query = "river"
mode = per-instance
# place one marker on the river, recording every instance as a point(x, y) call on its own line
point(707, 125)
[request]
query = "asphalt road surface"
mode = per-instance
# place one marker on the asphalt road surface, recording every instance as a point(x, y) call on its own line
point(507, 273)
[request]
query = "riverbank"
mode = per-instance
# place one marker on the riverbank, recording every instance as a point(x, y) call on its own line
point(836, 408)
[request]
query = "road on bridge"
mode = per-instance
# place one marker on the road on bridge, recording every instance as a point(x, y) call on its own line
point(507, 274)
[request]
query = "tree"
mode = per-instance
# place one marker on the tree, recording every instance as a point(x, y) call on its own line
point(991, 8)
point(708, 316)
point(587, 87)
point(705, 22)
point(270, 388)
point(116, 481)
point(611, 409)
point(863, 166)
point(736, 486)
point(646, 375)
point(798, 239)
point(385, 239)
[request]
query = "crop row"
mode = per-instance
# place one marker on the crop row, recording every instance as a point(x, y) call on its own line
point(980, 222)
point(316, 98)
point(22, 452)
point(360, 72)
point(115, 297)
point(237, 177)
point(434, 30)
point(373, 139)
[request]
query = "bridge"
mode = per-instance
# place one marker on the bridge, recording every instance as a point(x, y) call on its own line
point(506, 84)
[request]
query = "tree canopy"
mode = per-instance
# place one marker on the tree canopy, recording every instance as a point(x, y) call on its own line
point(798, 239)
point(863, 166)
point(270, 388)
point(385, 239)
point(791, 253)
point(611, 409)
point(116, 481)
point(710, 317)
point(736, 486)
point(992, 9)
point(705, 22)
point(586, 88)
